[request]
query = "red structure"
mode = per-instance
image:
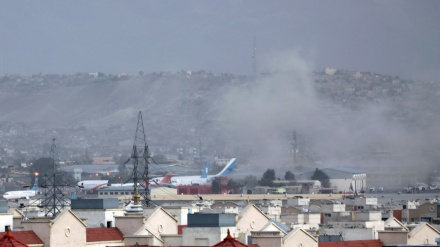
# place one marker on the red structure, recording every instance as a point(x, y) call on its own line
point(9, 240)
point(230, 241)
point(194, 189)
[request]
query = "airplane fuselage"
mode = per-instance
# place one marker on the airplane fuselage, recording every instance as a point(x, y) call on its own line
point(11, 195)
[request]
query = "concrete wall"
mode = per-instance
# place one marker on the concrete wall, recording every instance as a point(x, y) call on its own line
point(172, 240)
point(293, 202)
point(366, 216)
point(67, 231)
point(96, 217)
point(207, 236)
point(393, 237)
point(6, 220)
point(426, 235)
point(299, 238)
point(40, 227)
point(251, 220)
point(330, 208)
point(181, 213)
point(343, 184)
point(129, 224)
point(352, 234)
point(160, 222)
point(364, 201)
point(141, 240)
point(266, 239)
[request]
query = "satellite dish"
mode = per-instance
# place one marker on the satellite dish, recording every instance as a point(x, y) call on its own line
point(102, 225)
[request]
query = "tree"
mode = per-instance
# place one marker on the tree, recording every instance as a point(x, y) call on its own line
point(289, 176)
point(268, 178)
point(321, 177)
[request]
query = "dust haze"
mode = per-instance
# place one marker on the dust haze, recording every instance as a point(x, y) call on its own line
point(263, 116)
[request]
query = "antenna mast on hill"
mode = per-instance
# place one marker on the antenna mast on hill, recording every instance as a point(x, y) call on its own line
point(54, 199)
point(140, 157)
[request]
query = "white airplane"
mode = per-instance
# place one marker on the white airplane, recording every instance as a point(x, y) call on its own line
point(11, 195)
point(154, 182)
point(94, 185)
point(204, 179)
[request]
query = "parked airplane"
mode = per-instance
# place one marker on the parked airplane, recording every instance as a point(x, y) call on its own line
point(94, 185)
point(10, 195)
point(154, 182)
point(205, 178)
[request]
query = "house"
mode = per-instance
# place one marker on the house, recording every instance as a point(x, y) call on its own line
point(97, 212)
point(250, 219)
point(227, 207)
point(297, 237)
point(148, 227)
point(66, 229)
point(360, 225)
point(425, 212)
point(208, 229)
point(393, 224)
point(421, 234)
point(181, 214)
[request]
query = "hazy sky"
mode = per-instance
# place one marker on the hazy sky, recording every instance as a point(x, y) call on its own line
point(391, 37)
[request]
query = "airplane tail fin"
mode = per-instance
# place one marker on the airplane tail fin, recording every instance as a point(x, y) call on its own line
point(228, 168)
point(166, 179)
point(35, 187)
point(205, 172)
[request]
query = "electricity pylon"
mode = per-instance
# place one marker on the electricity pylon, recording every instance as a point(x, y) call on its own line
point(140, 157)
point(54, 199)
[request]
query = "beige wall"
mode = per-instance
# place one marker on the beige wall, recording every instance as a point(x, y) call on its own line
point(67, 230)
point(299, 238)
point(128, 225)
point(40, 227)
point(141, 240)
point(160, 222)
point(393, 237)
point(266, 241)
point(426, 235)
point(208, 236)
point(251, 220)
point(172, 240)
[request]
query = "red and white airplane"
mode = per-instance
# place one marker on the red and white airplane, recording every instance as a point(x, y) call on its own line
point(94, 185)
